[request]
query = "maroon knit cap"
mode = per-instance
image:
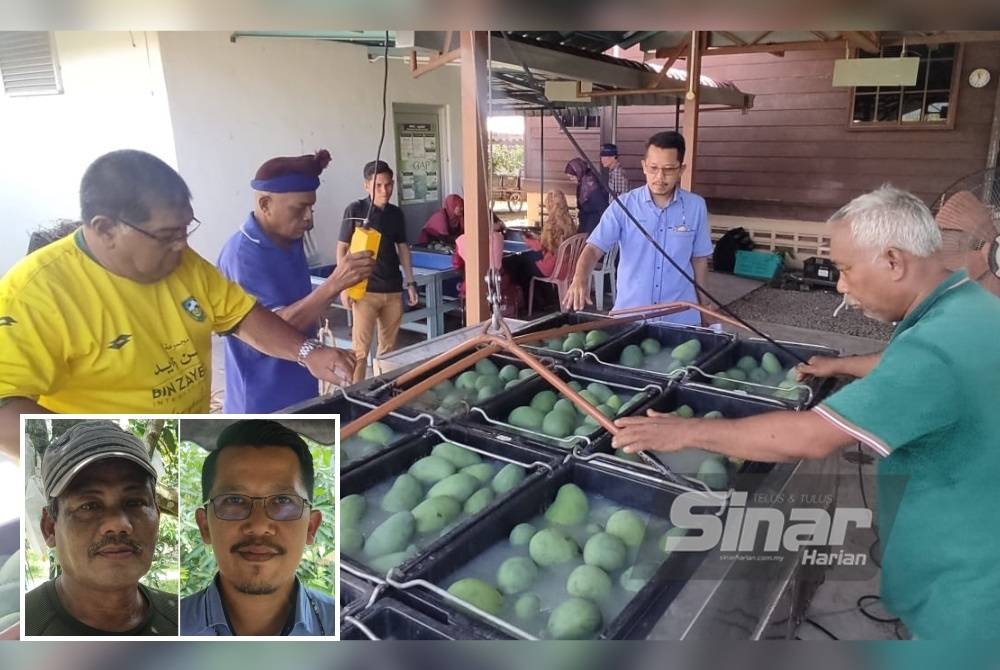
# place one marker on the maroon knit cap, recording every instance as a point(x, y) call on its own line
point(291, 174)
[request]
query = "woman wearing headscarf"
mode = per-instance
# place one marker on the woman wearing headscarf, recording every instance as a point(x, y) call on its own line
point(446, 224)
point(591, 198)
point(541, 260)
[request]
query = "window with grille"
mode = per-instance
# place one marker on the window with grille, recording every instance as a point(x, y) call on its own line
point(581, 117)
point(28, 63)
point(930, 102)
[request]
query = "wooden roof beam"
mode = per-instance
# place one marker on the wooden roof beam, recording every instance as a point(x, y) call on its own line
point(862, 41)
point(946, 37)
point(671, 59)
point(777, 48)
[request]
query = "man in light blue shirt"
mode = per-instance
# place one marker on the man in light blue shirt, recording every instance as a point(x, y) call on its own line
point(258, 548)
point(675, 218)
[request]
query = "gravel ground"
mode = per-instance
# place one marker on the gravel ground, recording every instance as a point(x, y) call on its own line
point(808, 309)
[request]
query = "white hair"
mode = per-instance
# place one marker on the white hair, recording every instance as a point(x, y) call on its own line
point(891, 218)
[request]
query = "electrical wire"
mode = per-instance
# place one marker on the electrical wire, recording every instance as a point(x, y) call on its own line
point(381, 139)
point(600, 178)
point(872, 597)
point(825, 630)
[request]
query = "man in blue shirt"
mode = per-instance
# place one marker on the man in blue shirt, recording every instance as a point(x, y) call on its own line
point(266, 257)
point(258, 548)
point(675, 218)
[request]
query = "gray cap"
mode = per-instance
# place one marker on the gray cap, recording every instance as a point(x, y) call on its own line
point(84, 444)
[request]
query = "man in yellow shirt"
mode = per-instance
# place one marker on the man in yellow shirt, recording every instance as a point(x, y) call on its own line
point(118, 317)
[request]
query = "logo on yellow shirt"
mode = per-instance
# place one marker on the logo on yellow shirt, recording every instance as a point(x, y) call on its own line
point(7, 321)
point(120, 341)
point(191, 306)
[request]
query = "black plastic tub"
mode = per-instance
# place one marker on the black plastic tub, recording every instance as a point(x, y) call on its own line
point(354, 450)
point(807, 394)
point(384, 468)
point(701, 400)
point(354, 592)
point(392, 619)
point(639, 614)
point(383, 389)
point(669, 336)
point(493, 414)
point(614, 331)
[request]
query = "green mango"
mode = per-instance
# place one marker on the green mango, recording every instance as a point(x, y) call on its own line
point(713, 472)
point(573, 341)
point(352, 509)
point(509, 477)
point(565, 405)
point(435, 513)
point(634, 578)
point(771, 364)
point(595, 338)
point(574, 619)
point(673, 366)
point(525, 373)
point(607, 411)
point(528, 607)
point(558, 423)
point(575, 385)
point(592, 528)
point(482, 471)
point(392, 535)
point(490, 382)
point(585, 429)
point(589, 397)
point(383, 564)
point(522, 534)
point(792, 375)
point(788, 390)
point(606, 552)
point(758, 376)
point(721, 380)
point(714, 414)
point(467, 380)
point(478, 593)
point(554, 343)
point(511, 384)
point(351, 540)
point(570, 506)
point(458, 486)
point(453, 401)
point(676, 531)
point(404, 495)
point(456, 455)
point(590, 582)
point(747, 364)
point(516, 574)
point(486, 393)
point(544, 401)
point(687, 352)
point(650, 346)
point(628, 527)
point(614, 402)
point(600, 391)
point(737, 375)
point(377, 432)
point(508, 373)
point(446, 386)
point(431, 469)
point(632, 356)
point(479, 501)
point(526, 417)
point(684, 411)
point(550, 546)
point(487, 367)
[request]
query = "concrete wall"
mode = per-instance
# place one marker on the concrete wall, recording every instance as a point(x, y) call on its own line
point(113, 98)
point(236, 104)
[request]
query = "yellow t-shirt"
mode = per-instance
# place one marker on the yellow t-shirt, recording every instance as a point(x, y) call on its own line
point(78, 338)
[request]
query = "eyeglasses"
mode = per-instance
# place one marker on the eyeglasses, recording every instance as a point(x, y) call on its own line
point(237, 507)
point(663, 170)
point(177, 235)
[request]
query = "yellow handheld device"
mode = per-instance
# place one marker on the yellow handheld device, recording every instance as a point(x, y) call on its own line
point(363, 239)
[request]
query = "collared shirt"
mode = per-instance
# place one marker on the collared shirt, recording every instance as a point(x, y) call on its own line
point(644, 276)
point(929, 407)
point(84, 340)
point(389, 221)
point(203, 613)
point(617, 181)
point(277, 277)
point(44, 614)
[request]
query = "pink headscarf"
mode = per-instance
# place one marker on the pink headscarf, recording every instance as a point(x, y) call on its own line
point(444, 224)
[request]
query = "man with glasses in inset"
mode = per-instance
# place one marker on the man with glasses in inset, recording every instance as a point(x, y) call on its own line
point(258, 517)
point(118, 316)
point(102, 521)
point(677, 219)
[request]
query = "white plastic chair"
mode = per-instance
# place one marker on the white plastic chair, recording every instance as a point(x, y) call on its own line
point(566, 257)
point(606, 267)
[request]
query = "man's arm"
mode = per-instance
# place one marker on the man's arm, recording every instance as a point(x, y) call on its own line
point(266, 332)
point(403, 249)
point(577, 296)
point(11, 410)
point(773, 437)
point(700, 265)
point(351, 268)
point(830, 366)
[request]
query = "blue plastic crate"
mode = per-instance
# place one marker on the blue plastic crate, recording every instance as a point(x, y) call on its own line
point(757, 264)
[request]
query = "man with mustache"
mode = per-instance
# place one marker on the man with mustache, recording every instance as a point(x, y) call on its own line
point(257, 484)
point(266, 257)
point(675, 218)
point(102, 520)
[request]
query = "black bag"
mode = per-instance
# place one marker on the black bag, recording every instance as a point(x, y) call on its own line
point(724, 255)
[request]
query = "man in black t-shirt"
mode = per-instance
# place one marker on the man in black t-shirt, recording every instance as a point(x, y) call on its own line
point(102, 520)
point(382, 304)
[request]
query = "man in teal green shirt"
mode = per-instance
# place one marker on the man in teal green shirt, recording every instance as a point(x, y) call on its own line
point(927, 405)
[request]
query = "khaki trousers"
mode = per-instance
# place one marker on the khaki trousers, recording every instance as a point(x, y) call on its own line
point(384, 310)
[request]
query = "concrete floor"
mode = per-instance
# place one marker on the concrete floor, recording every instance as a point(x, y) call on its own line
point(834, 604)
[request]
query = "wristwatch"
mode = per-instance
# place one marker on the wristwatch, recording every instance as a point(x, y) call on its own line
point(309, 346)
point(411, 283)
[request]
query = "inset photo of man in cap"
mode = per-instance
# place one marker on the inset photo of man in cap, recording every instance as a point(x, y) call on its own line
point(114, 572)
point(261, 559)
